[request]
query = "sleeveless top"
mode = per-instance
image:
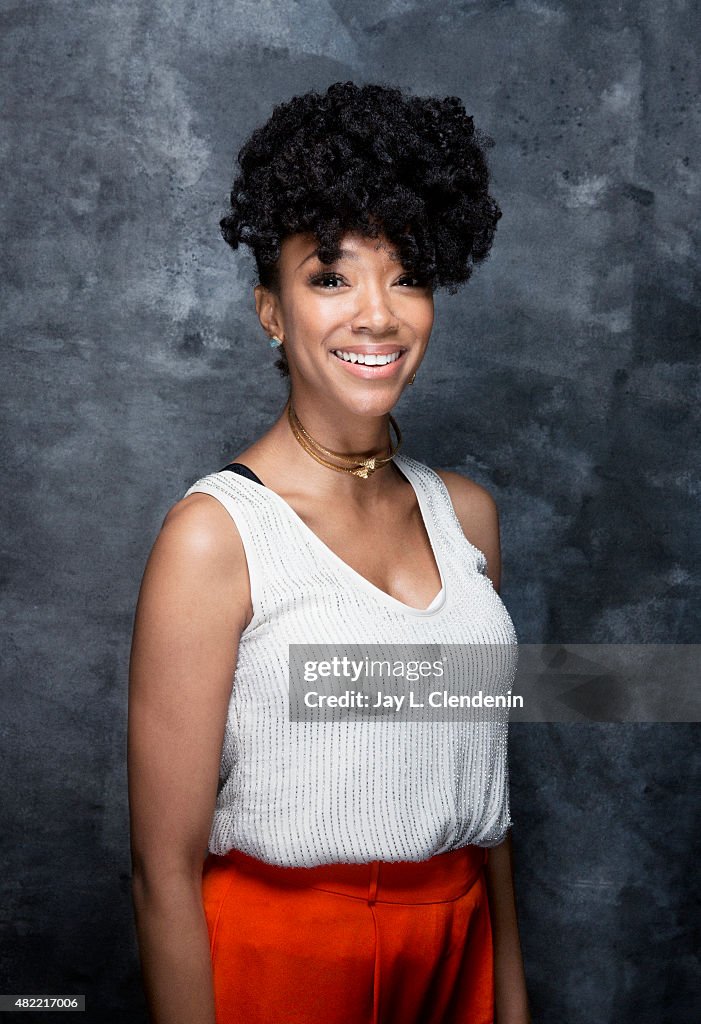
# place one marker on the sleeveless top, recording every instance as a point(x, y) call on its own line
point(306, 793)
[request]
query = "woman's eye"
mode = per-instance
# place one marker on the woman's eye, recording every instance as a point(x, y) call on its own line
point(326, 281)
point(331, 282)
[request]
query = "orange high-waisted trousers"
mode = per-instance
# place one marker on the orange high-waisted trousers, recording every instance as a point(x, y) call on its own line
point(376, 943)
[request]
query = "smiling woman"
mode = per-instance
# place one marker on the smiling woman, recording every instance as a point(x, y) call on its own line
point(328, 872)
point(367, 318)
point(366, 160)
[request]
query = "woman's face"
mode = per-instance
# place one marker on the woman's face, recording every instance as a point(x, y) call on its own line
point(332, 317)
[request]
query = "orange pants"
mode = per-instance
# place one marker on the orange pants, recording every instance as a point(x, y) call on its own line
point(375, 943)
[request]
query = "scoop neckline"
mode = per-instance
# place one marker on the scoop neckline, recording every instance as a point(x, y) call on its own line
point(362, 581)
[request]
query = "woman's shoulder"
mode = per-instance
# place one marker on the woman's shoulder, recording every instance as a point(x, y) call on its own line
point(199, 528)
point(197, 561)
point(466, 494)
point(478, 515)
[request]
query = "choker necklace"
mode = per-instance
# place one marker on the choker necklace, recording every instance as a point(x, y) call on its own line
point(360, 466)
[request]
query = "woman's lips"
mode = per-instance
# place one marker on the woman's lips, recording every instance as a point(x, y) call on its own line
point(371, 372)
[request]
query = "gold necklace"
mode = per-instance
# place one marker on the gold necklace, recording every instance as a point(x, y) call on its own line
point(361, 466)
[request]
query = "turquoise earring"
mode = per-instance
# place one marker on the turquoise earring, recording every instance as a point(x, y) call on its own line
point(274, 342)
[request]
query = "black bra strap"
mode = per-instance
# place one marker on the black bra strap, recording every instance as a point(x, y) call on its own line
point(238, 467)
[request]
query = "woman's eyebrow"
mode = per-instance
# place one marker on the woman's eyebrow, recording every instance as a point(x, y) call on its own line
point(347, 254)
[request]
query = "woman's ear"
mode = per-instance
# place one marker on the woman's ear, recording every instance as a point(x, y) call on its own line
point(268, 310)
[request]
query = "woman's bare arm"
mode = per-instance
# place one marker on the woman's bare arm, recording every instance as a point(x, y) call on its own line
point(193, 604)
point(511, 1000)
point(479, 518)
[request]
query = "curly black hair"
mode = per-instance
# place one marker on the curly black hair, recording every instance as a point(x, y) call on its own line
point(366, 159)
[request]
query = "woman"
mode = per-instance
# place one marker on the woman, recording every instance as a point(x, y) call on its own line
point(343, 872)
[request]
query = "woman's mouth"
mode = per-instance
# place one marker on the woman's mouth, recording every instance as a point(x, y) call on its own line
point(369, 364)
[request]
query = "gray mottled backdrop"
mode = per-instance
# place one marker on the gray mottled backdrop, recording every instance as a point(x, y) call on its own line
point(564, 378)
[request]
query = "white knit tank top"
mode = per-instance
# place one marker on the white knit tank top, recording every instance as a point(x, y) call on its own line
point(307, 793)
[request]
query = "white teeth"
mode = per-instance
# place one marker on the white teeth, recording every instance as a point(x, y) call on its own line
point(367, 360)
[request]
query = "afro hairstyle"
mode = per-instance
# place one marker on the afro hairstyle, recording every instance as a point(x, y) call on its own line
point(366, 159)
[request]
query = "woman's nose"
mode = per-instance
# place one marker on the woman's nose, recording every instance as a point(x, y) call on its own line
point(374, 311)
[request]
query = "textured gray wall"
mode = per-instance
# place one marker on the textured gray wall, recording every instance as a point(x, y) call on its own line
point(564, 378)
